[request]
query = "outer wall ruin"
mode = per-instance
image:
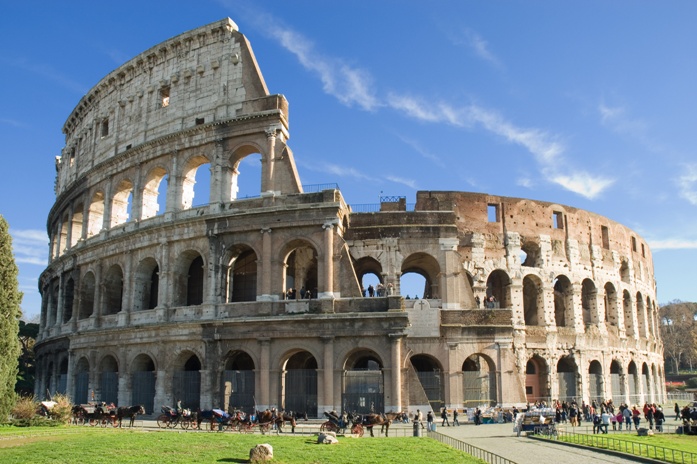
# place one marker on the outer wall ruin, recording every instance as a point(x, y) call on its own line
point(154, 294)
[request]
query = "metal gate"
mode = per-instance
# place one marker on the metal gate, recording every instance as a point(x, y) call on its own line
point(238, 390)
point(617, 393)
point(595, 381)
point(633, 388)
point(186, 386)
point(479, 388)
point(82, 383)
point(363, 392)
point(645, 384)
point(62, 386)
point(567, 386)
point(432, 382)
point(144, 389)
point(301, 391)
point(110, 387)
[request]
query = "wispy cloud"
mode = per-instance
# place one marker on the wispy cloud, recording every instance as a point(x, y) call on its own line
point(581, 182)
point(673, 244)
point(422, 151)
point(340, 171)
point(12, 122)
point(30, 246)
point(46, 72)
point(475, 42)
point(400, 180)
point(687, 183)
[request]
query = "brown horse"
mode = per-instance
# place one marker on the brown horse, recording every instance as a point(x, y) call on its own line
point(370, 420)
point(267, 417)
point(129, 411)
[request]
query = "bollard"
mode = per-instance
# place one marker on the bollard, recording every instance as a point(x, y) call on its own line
point(417, 428)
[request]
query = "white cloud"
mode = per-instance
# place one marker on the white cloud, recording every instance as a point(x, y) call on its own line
point(480, 47)
point(400, 180)
point(30, 246)
point(524, 182)
point(672, 244)
point(687, 183)
point(581, 182)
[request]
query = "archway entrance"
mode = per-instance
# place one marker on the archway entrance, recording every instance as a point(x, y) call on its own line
point(143, 382)
point(82, 381)
point(109, 381)
point(238, 383)
point(299, 380)
point(536, 380)
point(430, 377)
point(566, 374)
point(479, 375)
point(363, 385)
point(186, 382)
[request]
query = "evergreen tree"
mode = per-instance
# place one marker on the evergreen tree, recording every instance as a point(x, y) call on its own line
point(10, 312)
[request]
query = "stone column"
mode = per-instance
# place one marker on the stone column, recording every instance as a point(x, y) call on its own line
point(125, 391)
point(161, 387)
point(328, 273)
point(265, 266)
point(325, 400)
point(61, 292)
point(264, 368)
point(270, 160)
point(206, 398)
point(127, 300)
point(396, 371)
point(174, 186)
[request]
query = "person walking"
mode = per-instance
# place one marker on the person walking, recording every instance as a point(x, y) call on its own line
point(677, 411)
point(455, 421)
point(429, 422)
point(444, 416)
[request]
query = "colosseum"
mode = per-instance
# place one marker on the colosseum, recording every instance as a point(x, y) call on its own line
point(159, 289)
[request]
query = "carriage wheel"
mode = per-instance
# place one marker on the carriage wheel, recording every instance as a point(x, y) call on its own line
point(357, 430)
point(185, 423)
point(163, 421)
point(93, 422)
point(212, 425)
point(114, 421)
point(326, 427)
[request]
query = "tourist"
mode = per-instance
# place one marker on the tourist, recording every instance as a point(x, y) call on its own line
point(455, 421)
point(627, 414)
point(429, 422)
point(444, 416)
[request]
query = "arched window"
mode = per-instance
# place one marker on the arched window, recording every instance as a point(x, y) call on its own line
point(533, 300)
point(121, 204)
point(113, 290)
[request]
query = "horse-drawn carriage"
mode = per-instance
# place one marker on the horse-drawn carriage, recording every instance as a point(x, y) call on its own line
point(339, 423)
point(95, 414)
point(171, 417)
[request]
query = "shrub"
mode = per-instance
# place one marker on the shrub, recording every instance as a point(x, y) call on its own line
point(24, 408)
point(691, 382)
point(62, 412)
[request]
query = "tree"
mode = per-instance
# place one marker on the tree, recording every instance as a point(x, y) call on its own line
point(28, 331)
point(678, 330)
point(10, 312)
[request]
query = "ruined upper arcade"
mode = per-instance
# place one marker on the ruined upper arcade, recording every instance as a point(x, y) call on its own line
point(153, 293)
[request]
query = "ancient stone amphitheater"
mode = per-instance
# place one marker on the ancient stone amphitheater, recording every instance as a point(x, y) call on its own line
point(157, 292)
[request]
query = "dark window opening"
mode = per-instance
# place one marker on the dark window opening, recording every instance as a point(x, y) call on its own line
point(164, 97)
point(558, 220)
point(634, 244)
point(606, 237)
point(200, 121)
point(105, 128)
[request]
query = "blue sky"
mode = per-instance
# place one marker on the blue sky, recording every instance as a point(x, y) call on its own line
point(583, 103)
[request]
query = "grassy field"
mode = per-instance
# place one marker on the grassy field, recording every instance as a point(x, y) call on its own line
point(89, 445)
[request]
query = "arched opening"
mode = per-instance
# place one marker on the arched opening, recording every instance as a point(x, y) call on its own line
point(299, 383)
point(641, 315)
point(147, 282)
point(531, 255)
point(196, 178)
point(617, 392)
point(109, 380)
point(121, 204)
point(63, 236)
point(76, 225)
point(589, 298)
point(95, 215)
point(633, 382)
point(68, 299)
point(238, 383)
point(186, 381)
point(82, 381)
point(301, 270)
point(566, 375)
point(363, 384)
point(595, 381)
point(143, 382)
point(498, 290)
point(189, 279)
point(425, 266)
point(241, 275)
point(479, 386)
point(53, 305)
point(154, 193)
point(533, 300)
point(246, 177)
point(651, 314)
point(624, 271)
point(86, 306)
point(430, 384)
point(563, 301)
point(412, 285)
point(63, 377)
point(536, 373)
point(629, 314)
point(113, 290)
point(610, 299)
point(646, 384)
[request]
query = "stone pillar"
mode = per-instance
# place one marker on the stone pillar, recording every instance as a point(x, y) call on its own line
point(264, 368)
point(325, 400)
point(174, 186)
point(125, 390)
point(206, 398)
point(576, 310)
point(61, 292)
point(549, 317)
point(69, 232)
point(328, 263)
point(270, 160)
point(108, 201)
point(265, 266)
point(70, 381)
point(396, 371)
point(161, 387)
point(127, 300)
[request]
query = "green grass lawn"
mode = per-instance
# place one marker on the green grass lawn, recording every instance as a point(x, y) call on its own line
point(89, 445)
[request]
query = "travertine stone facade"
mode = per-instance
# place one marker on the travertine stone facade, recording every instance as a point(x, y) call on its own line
point(152, 295)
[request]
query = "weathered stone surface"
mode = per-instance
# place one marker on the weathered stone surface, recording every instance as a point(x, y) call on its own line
point(261, 453)
point(327, 438)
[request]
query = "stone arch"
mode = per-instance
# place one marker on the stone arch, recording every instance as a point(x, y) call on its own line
point(150, 206)
point(109, 379)
point(189, 279)
point(633, 383)
point(498, 286)
point(113, 290)
point(82, 381)
point(299, 382)
point(301, 273)
point(238, 380)
point(76, 224)
point(479, 386)
point(645, 382)
point(189, 179)
point(610, 300)
point(363, 388)
point(68, 299)
point(567, 377)
point(186, 380)
point(143, 382)
point(147, 283)
point(651, 314)
point(532, 253)
point(624, 271)
point(426, 266)
point(430, 375)
point(53, 302)
point(63, 235)
point(240, 274)
point(95, 214)
point(563, 301)
point(246, 171)
point(589, 302)
point(121, 202)
point(595, 382)
point(63, 376)
point(641, 315)
point(87, 289)
point(536, 375)
point(533, 300)
point(628, 308)
point(368, 266)
point(616, 384)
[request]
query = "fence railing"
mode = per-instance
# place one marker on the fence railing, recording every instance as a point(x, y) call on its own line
point(478, 453)
point(314, 188)
point(624, 446)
